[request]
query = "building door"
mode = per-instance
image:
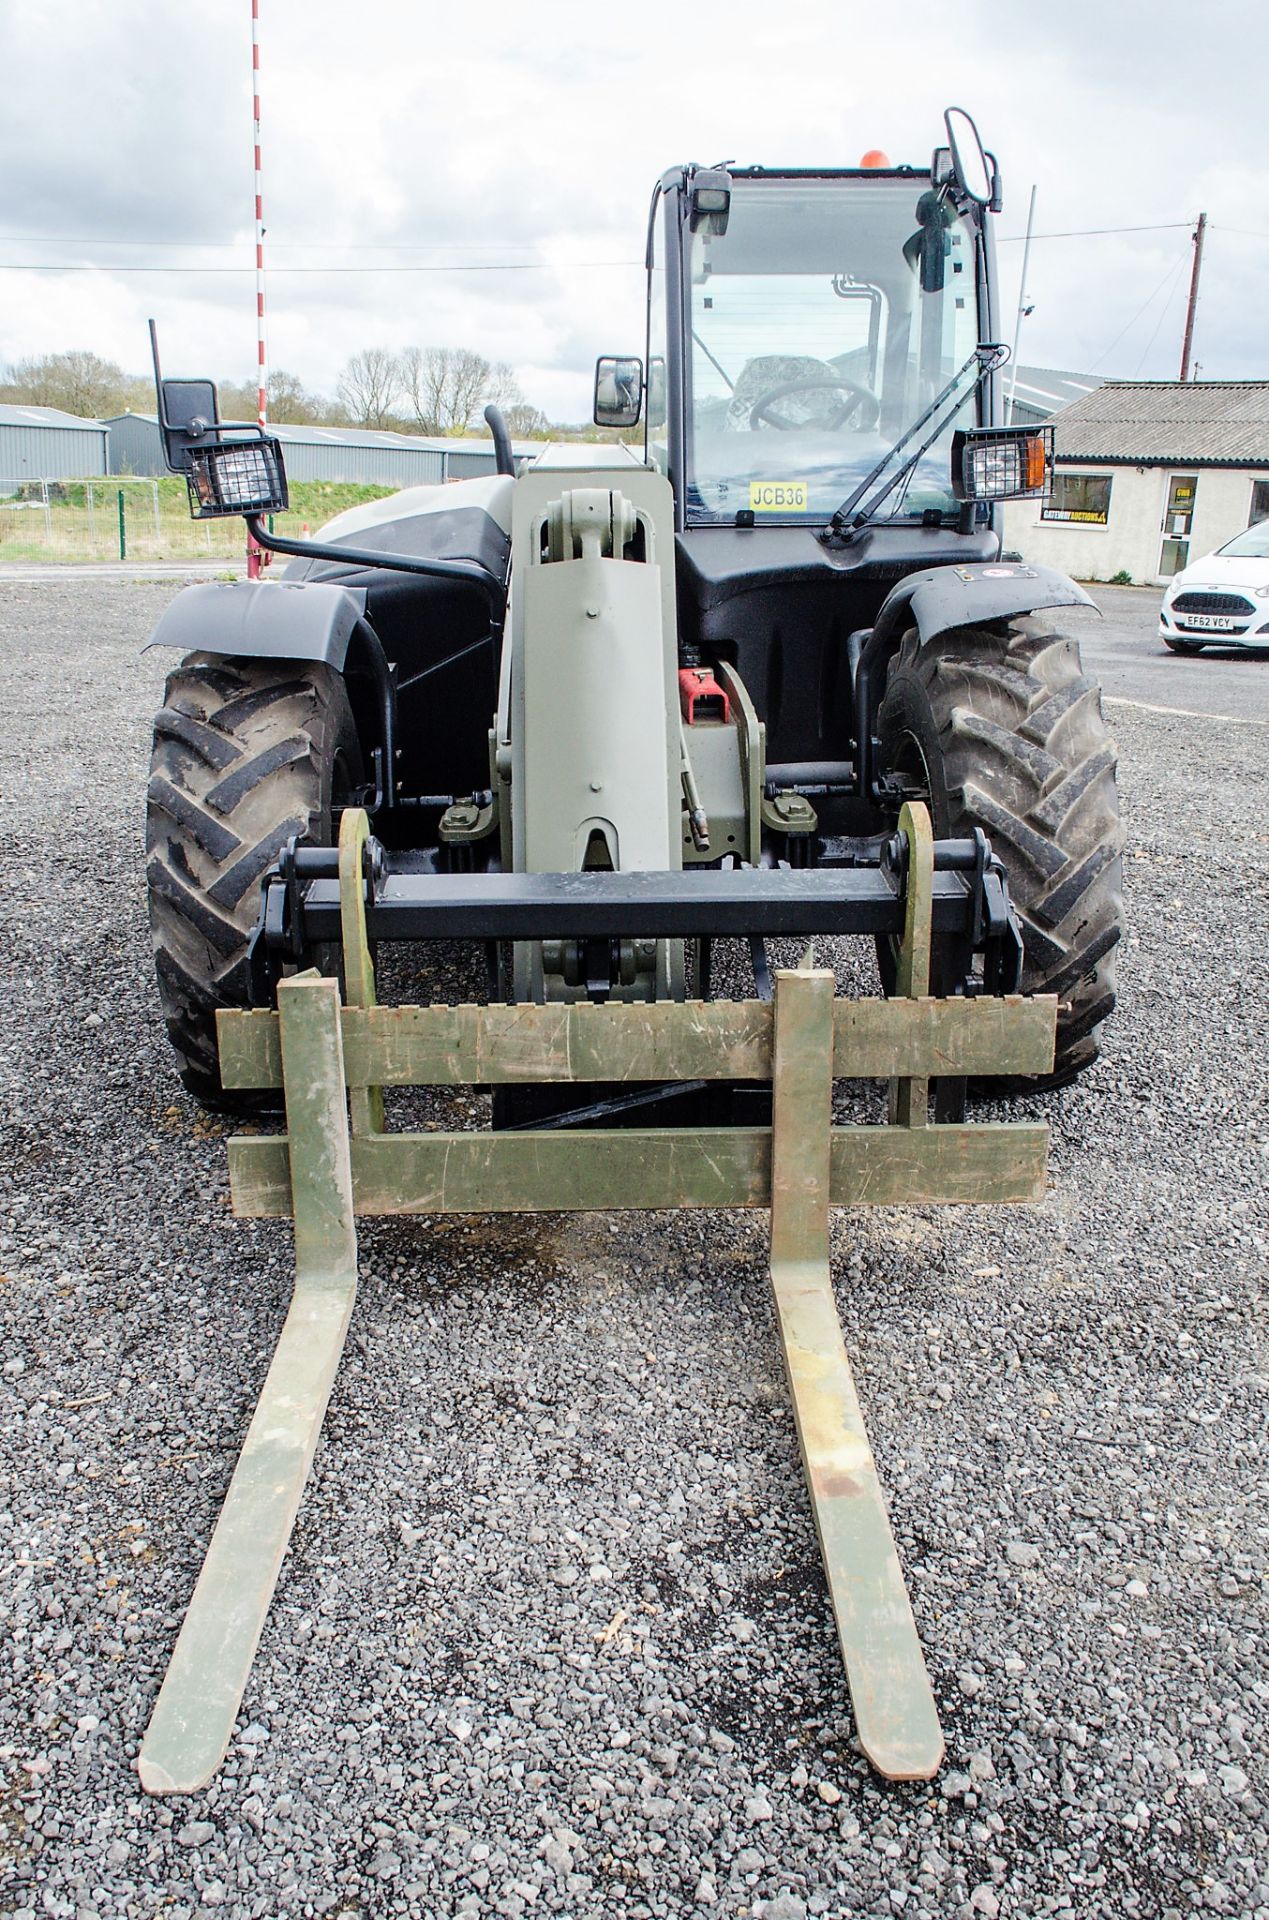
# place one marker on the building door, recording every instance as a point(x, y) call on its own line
point(1259, 501)
point(1175, 553)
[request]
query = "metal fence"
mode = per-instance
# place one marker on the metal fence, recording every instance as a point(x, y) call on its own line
point(119, 518)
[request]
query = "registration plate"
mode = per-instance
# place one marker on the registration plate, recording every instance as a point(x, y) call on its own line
point(779, 496)
point(1210, 622)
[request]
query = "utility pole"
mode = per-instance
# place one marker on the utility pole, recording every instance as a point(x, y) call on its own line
point(1188, 343)
point(1023, 310)
point(254, 555)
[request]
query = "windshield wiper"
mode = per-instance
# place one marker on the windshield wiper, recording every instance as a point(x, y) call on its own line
point(850, 516)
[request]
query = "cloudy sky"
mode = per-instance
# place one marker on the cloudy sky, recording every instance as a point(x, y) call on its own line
point(479, 175)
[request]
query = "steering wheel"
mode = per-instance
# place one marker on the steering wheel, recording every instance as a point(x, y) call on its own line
point(861, 397)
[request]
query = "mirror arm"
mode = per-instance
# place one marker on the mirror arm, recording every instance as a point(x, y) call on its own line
point(997, 201)
point(468, 570)
point(158, 375)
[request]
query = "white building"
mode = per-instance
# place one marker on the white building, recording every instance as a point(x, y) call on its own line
point(1150, 474)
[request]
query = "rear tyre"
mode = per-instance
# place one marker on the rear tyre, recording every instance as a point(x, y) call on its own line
point(1001, 729)
point(1182, 646)
point(247, 754)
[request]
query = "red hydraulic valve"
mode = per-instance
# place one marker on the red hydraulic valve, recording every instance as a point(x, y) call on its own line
point(701, 697)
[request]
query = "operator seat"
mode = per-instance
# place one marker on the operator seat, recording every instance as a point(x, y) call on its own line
point(771, 370)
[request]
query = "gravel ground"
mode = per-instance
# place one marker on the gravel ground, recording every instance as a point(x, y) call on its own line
point(552, 1636)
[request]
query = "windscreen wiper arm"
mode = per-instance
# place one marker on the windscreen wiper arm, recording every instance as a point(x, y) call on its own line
point(850, 516)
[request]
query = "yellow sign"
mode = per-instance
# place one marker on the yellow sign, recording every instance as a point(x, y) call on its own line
point(778, 496)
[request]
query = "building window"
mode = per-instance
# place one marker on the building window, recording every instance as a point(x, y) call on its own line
point(1079, 497)
point(1259, 501)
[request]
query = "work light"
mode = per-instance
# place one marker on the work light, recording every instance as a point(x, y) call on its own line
point(710, 200)
point(1002, 463)
point(237, 476)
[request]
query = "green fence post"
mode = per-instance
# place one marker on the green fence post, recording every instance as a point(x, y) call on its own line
point(123, 532)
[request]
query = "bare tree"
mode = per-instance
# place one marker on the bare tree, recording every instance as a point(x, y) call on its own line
point(444, 386)
point(77, 382)
point(237, 399)
point(369, 385)
point(502, 388)
point(526, 422)
point(291, 403)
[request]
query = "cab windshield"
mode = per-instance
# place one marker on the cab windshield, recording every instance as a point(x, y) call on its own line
point(812, 346)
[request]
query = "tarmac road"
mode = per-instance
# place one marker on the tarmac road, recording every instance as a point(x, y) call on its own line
point(1124, 651)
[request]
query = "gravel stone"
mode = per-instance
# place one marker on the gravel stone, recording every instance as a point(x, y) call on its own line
point(529, 1403)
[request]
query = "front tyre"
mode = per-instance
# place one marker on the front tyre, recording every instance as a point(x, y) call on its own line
point(247, 754)
point(1001, 729)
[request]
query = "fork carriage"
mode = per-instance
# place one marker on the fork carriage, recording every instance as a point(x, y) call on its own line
point(331, 1055)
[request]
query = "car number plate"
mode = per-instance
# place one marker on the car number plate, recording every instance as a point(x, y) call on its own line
point(1213, 622)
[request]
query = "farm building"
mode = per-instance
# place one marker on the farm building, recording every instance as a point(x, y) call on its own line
point(360, 455)
point(42, 443)
point(1149, 475)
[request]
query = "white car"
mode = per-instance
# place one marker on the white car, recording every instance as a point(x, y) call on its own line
point(1222, 600)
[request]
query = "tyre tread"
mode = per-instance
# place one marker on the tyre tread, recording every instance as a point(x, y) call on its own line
point(1023, 751)
point(242, 762)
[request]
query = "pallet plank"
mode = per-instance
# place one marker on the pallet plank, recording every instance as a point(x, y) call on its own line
point(525, 1172)
point(469, 1046)
point(987, 1164)
point(576, 1171)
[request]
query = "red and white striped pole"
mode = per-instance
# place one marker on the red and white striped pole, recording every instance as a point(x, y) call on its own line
point(254, 555)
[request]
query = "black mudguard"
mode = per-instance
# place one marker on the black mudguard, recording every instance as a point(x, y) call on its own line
point(939, 601)
point(946, 597)
point(264, 620)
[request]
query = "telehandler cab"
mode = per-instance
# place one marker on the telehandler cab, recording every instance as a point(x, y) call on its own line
point(772, 677)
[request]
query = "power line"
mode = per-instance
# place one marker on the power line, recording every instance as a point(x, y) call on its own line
point(226, 246)
point(482, 266)
point(1169, 274)
point(1163, 314)
point(474, 246)
point(1084, 233)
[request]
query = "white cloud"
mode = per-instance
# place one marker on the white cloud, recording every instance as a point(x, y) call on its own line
point(503, 133)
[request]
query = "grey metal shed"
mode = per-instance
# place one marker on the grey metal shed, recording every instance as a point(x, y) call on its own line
point(43, 443)
point(361, 455)
point(352, 454)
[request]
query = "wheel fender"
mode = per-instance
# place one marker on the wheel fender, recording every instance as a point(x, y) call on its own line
point(970, 596)
point(937, 602)
point(263, 620)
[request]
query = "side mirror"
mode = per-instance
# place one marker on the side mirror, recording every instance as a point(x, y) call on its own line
point(618, 391)
point(228, 470)
point(974, 176)
point(189, 413)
